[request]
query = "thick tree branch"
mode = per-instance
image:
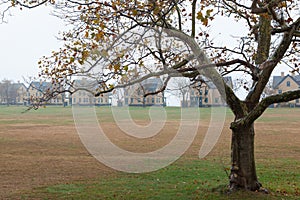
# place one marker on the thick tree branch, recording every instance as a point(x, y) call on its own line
point(179, 17)
point(221, 64)
point(265, 103)
point(194, 18)
point(263, 9)
point(225, 91)
point(268, 66)
point(287, 28)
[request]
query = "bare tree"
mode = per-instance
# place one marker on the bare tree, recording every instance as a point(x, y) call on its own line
point(119, 96)
point(180, 87)
point(8, 93)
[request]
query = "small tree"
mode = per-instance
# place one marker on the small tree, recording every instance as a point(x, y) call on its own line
point(8, 93)
point(181, 87)
point(174, 33)
point(119, 96)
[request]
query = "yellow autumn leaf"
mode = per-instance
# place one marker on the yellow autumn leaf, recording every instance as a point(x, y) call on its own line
point(208, 12)
point(102, 25)
point(117, 67)
point(134, 12)
point(200, 16)
point(85, 54)
point(99, 36)
point(104, 53)
point(86, 34)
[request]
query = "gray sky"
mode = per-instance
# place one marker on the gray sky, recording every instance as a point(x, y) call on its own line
point(28, 35)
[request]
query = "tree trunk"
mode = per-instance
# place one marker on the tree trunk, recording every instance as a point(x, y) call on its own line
point(243, 172)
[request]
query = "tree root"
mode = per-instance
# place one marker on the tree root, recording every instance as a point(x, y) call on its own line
point(231, 189)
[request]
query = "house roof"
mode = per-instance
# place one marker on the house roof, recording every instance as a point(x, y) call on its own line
point(88, 84)
point(211, 85)
point(277, 80)
point(16, 86)
point(44, 86)
point(152, 84)
point(40, 85)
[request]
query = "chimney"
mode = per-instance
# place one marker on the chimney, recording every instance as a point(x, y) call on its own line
point(282, 74)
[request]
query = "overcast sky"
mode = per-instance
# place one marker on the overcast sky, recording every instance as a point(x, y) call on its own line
point(28, 35)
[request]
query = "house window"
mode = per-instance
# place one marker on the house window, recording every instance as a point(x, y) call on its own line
point(216, 100)
point(206, 92)
point(288, 84)
point(279, 91)
point(206, 100)
point(131, 100)
point(126, 101)
point(153, 100)
point(297, 100)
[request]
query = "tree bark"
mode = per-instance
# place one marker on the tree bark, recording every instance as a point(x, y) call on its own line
point(243, 171)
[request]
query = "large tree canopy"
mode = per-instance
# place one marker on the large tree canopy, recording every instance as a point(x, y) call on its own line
point(117, 43)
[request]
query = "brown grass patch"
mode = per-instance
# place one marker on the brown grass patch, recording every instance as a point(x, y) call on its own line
point(34, 155)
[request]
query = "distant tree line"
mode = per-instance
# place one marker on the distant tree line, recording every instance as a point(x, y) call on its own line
point(8, 92)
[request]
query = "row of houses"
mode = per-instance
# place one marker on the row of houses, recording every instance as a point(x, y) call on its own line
point(19, 94)
point(201, 94)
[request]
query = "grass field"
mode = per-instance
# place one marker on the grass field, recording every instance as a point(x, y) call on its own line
point(42, 157)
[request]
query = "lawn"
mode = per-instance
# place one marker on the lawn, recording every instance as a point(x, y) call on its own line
point(42, 157)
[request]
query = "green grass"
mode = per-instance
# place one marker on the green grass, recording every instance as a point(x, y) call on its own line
point(50, 115)
point(193, 179)
point(142, 113)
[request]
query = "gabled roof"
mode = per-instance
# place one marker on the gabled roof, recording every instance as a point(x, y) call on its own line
point(152, 84)
point(44, 86)
point(16, 86)
point(211, 85)
point(40, 85)
point(91, 85)
point(277, 80)
point(228, 81)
